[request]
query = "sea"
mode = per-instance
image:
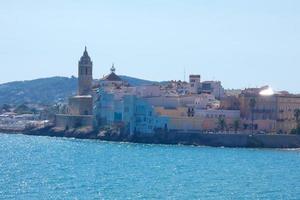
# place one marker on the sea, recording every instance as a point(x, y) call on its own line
point(38, 167)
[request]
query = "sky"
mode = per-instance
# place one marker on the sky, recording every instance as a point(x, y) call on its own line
point(247, 43)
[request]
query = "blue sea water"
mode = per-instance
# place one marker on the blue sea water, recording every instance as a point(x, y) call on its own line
point(34, 167)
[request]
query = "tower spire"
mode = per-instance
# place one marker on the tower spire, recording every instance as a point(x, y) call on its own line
point(113, 69)
point(85, 53)
point(85, 74)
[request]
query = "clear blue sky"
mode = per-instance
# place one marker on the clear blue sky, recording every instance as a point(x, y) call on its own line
point(240, 42)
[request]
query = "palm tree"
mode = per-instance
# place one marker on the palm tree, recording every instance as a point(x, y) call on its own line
point(236, 125)
point(297, 117)
point(221, 123)
point(252, 105)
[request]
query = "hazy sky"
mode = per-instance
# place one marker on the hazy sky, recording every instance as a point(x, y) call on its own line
point(243, 43)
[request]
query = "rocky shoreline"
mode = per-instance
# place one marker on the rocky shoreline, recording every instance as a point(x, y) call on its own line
point(189, 138)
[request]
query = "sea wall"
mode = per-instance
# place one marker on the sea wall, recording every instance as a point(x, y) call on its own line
point(234, 140)
point(71, 121)
point(185, 138)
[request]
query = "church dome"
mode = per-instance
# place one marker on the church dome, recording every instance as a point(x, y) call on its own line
point(112, 76)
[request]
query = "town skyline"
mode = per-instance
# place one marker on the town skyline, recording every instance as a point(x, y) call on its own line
point(241, 44)
point(155, 99)
point(268, 91)
point(185, 77)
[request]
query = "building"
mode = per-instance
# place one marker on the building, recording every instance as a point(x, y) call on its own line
point(112, 79)
point(286, 106)
point(272, 112)
point(129, 112)
point(195, 81)
point(80, 107)
point(193, 119)
point(205, 101)
point(141, 117)
point(148, 91)
point(144, 109)
point(230, 103)
point(213, 87)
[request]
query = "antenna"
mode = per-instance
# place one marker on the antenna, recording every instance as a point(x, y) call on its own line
point(184, 74)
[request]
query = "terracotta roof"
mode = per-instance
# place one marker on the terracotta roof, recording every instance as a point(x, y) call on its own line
point(111, 77)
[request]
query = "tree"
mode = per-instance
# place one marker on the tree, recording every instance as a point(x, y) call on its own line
point(23, 109)
point(5, 108)
point(236, 125)
point(222, 123)
point(49, 112)
point(252, 105)
point(297, 118)
point(63, 109)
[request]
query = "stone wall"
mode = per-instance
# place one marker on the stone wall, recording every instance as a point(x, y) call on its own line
point(73, 121)
point(235, 140)
point(81, 105)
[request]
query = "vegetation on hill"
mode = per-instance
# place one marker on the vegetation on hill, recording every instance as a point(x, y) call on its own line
point(46, 90)
point(5, 108)
point(136, 81)
point(41, 91)
point(24, 109)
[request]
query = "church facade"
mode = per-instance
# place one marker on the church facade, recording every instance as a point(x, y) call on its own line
point(80, 107)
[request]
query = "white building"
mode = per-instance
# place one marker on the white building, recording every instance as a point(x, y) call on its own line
point(213, 87)
point(148, 91)
point(195, 82)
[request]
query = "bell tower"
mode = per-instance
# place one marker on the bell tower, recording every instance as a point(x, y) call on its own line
point(85, 74)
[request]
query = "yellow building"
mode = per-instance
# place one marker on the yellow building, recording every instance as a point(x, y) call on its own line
point(181, 119)
point(275, 111)
point(286, 106)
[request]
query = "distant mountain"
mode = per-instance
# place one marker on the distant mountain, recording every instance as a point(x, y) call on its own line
point(136, 81)
point(43, 90)
point(47, 90)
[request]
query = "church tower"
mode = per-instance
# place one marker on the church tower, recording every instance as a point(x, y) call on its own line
point(85, 74)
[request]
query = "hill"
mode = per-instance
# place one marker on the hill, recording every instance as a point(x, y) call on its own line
point(43, 90)
point(136, 81)
point(47, 90)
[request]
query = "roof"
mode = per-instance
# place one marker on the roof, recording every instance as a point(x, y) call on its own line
point(111, 77)
point(81, 96)
point(85, 58)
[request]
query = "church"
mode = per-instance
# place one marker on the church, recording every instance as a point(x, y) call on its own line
point(112, 79)
point(80, 107)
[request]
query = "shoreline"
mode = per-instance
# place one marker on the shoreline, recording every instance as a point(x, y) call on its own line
point(236, 140)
